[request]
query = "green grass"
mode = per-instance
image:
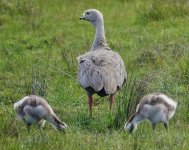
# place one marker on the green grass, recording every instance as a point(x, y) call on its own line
point(39, 43)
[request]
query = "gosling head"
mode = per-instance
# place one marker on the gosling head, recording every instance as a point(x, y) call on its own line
point(130, 127)
point(62, 127)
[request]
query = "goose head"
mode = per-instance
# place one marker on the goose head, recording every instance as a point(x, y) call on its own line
point(92, 15)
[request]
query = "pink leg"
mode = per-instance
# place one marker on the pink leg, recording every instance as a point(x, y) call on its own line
point(111, 101)
point(90, 102)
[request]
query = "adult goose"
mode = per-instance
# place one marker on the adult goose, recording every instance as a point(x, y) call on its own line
point(34, 109)
point(101, 70)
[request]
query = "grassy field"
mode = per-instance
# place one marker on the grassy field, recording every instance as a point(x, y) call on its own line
point(39, 43)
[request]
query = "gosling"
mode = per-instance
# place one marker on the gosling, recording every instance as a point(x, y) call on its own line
point(33, 109)
point(157, 108)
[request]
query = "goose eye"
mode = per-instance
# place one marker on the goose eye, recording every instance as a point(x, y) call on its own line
point(87, 13)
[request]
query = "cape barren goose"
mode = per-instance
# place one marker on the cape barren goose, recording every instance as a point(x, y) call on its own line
point(34, 109)
point(101, 70)
point(156, 108)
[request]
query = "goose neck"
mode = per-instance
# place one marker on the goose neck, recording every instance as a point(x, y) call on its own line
point(99, 40)
point(137, 118)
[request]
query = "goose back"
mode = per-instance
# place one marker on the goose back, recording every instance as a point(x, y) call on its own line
point(159, 101)
point(34, 105)
point(101, 71)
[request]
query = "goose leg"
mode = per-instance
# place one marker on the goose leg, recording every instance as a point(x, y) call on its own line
point(153, 126)
point(166, 126)
point(29, 128)
point(90, 102)
point(111, 101)
point(41, 124)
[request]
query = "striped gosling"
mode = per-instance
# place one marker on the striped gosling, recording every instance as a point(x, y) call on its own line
point(34, 109)
point(156, 108)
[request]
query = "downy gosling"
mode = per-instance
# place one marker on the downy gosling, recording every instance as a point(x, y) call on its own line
point(157, 108)
point(33, 109)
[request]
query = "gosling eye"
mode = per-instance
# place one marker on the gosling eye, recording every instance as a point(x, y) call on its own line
point(87, 13)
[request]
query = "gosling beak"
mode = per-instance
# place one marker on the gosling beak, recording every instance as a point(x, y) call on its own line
point(132, 128)
point(82, 17)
